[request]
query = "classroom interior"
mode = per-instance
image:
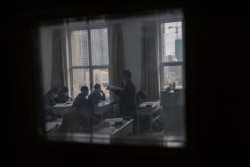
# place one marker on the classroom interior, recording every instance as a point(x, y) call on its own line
point(83, 51)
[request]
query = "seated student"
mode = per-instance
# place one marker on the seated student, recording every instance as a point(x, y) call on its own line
point(140, 97)
point(81, 97)
point(81, 119)
point(49, 102)
point(98, 92)
point(63, 95)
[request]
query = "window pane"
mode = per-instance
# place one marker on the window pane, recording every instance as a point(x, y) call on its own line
point(172, 42)
point(101, 76)
point(99, 46)
point(80, 78)
point(80, 48)
point(173, 74)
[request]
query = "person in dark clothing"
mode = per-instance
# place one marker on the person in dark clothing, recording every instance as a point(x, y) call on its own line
point(127, 101)
point(81, 119)
point(140, 97)
point(63, 95)
point(81, 97)
point(126, 96)
point(49, 102)
point(98, 92)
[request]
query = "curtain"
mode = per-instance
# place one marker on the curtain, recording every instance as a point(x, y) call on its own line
point(59, 65)
point(149, 66)
point(117, 55)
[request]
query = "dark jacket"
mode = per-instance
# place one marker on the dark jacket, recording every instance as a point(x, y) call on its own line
point(79, 100)
point(127, 100)
point(61, 98)
point(74, 123)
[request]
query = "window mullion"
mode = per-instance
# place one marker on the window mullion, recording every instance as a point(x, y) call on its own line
point(90, 59)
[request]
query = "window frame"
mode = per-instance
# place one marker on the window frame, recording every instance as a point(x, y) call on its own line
point(90, 65)
point(173, 63)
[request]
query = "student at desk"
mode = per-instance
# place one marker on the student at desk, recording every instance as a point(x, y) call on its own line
point(98, 92)
point(81, 119)
point(81, 97)
point(63, 95)
point(49, 102)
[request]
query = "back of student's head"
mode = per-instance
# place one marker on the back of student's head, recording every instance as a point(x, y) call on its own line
point(97, 86)
point(64, 89)
point(142, 95)
point(53, 90)
point(84, 89)
point(126, 73)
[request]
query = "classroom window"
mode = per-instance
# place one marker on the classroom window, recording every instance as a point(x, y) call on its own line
point(172, 59)
point(89, 58)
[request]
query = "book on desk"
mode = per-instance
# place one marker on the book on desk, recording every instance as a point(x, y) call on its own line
point(112, 87)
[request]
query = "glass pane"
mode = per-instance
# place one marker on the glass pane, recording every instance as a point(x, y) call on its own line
point(80, 78)
point(173, 74)
point(99, 46)
point(172, 43)
point(101, 76)
point(80, 48)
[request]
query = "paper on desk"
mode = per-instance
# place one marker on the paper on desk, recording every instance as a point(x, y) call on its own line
point(111, 87)
point(112, 121)
point(50, 125)
point(62, 105)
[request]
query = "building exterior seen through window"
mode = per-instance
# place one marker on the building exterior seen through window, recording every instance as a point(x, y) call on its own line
point(172, 60)
point(89, 59)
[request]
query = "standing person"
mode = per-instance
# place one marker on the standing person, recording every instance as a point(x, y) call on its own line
point(63, 95)
point(81, 97)
point(126, 96)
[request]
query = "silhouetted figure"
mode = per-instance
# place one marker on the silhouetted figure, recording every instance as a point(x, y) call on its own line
point(98, 92)
point(127, 101)
point(49, 102)
point(81, 97)
point(63, 95)
point(81, 119)
point(140, 97)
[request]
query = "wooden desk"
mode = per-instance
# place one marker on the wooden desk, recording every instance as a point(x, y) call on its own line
point(105, 107)
point(148, 109)
point(53, 125)
point(61, 108)
point(173, 105)
point(123, 130)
